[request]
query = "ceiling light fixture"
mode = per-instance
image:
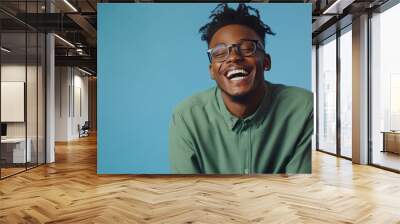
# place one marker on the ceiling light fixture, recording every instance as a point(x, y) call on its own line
point(79, 51)
point(65, 41)
point(70, 5)
point(337, 7)
point(84, 71)
point(5, 50)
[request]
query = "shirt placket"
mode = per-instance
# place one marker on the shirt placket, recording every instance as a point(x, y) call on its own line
point(246, 142)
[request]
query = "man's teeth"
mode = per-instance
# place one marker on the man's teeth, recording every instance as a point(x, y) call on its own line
point(238, 78)
point(236, 71)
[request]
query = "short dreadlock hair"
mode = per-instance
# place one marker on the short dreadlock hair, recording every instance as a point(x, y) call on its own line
point(222, 15)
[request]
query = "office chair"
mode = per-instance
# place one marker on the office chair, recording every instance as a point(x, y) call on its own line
point(84, 130)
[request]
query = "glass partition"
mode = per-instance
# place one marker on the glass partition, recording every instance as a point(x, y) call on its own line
point(22, 88)
point(32, 95)
point(327, 95)
point(14, 153)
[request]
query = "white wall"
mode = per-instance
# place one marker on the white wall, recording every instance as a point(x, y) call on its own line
point(71, 102)
point(81, 113)
point(16, 72)
point(62, 81)
point(9, 73)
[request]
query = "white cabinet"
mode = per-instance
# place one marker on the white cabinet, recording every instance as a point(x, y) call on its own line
point(19, 154)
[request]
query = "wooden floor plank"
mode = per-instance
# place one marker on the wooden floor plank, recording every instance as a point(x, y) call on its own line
point(70, 191)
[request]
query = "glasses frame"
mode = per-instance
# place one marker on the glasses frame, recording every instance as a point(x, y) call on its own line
point(257, 43)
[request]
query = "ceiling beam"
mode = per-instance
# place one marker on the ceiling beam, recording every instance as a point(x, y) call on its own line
point(84, 24)
point(83, 61)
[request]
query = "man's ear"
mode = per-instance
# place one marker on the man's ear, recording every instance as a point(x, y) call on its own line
point(267, 62)
point(211, 72)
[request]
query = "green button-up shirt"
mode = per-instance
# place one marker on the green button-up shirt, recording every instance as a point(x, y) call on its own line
point(206, 138)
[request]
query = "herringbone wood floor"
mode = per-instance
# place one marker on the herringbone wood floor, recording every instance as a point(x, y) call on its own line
point(70, 191)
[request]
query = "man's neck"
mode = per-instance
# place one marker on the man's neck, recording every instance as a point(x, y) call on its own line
point(245, 106)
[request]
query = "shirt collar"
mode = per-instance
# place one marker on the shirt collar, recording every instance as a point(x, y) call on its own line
point(256, 118)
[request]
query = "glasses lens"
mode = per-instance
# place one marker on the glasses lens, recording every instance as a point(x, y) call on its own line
point(247, 48)
point(219, 52)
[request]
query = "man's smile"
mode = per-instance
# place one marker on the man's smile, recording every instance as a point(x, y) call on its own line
point(237, 73)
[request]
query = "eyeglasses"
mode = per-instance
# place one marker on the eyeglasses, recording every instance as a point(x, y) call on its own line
point(244, 48)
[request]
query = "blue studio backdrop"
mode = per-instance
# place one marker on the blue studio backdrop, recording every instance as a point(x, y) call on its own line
point(151, 57)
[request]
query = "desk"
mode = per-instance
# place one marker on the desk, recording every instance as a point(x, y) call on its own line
point(15, 148)
point(391, 141)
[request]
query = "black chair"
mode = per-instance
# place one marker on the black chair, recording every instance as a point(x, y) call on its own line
point(84, 130)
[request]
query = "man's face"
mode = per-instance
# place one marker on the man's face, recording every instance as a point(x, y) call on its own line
point(238, 76)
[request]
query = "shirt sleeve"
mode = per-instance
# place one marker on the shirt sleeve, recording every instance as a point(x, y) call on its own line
point(181, 148)
point(301, 160)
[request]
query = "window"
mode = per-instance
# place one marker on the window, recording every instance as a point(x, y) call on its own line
point(346, 92)
point(385, 88)
point(327, 95)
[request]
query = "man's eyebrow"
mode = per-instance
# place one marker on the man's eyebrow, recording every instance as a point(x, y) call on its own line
point(237, 42)
point(249, 39)
point(219, 43)
point(242, 39)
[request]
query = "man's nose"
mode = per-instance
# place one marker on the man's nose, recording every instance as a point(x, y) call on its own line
point(234, 54)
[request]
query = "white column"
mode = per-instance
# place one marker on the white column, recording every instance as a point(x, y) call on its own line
point(360, 90)
point(50, 93)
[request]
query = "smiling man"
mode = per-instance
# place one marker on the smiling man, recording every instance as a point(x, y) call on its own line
point(244, 125)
